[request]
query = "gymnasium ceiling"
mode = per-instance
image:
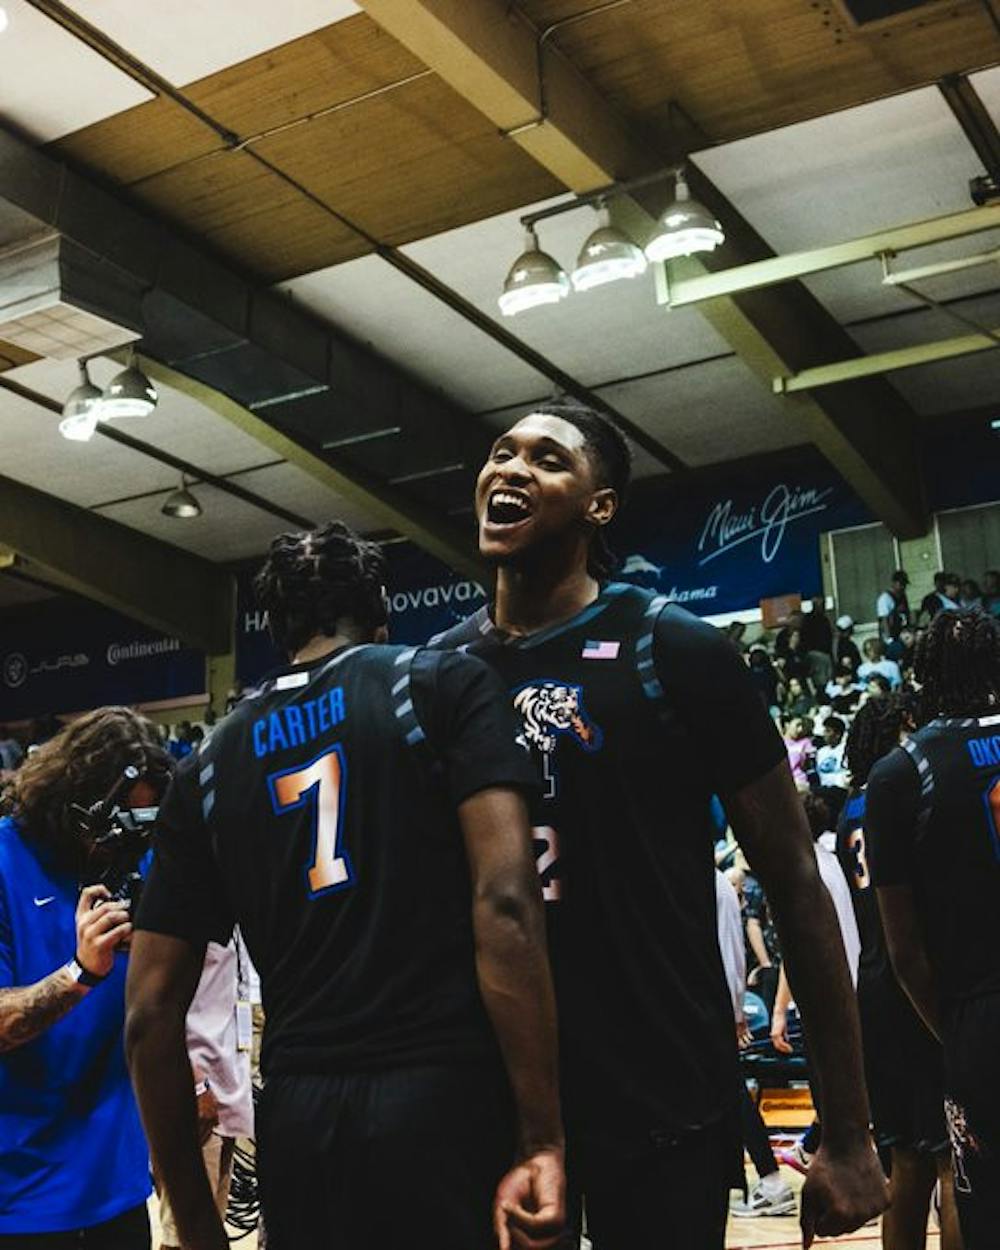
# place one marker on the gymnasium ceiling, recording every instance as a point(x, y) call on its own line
point(351, 177)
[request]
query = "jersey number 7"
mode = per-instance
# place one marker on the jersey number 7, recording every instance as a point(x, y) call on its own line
point(319, 786)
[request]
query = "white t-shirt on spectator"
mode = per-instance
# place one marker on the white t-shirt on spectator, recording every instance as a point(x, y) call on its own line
point(888, 668)
point(830, 765)
point(885, 605)
point(212, 1041)
point(836, 883)
point(730, 923)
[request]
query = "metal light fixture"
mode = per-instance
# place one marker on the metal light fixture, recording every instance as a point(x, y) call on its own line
point(535, 278)
point(82, 410)
point(181, 504)
point(129, 394)
point(607, 256)
point(685, 228)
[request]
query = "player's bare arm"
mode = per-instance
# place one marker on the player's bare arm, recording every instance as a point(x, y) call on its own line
point(908, 952)
point(848, 1187)
point(27, 1011)
point(516, 985)
point(163, 976)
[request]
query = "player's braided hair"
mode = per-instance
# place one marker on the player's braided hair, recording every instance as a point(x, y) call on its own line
point(315, 581)
point(80, 765)
point(957, 663)
point(875, 731)
point(611, 457)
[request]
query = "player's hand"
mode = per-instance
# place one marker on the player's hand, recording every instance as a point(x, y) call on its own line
point(102, 924)
point(743, 1035)
point(529, 1210)
point(844, 1189)
point(208, 1115)
point(779, 1032)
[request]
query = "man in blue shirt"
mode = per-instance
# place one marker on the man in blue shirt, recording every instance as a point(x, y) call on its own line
point(74, 1169)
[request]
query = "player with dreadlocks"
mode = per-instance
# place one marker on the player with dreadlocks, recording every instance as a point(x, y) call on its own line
point(903, 1063)
point(362, 816)
point(933, 826)
point(620, 696)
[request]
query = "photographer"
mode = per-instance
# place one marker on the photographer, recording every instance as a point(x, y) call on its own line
point(74, 1167)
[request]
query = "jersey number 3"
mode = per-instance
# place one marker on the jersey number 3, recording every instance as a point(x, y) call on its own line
point(318, 786)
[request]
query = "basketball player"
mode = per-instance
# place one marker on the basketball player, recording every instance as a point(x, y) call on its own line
point(621, 699)
point(903, 1062)
point(326, 814)
point(933, 821)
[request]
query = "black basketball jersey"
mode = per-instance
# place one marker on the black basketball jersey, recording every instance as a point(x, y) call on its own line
point(852, 851)
point(321, 816)
point(636, 713)
point(934, 820)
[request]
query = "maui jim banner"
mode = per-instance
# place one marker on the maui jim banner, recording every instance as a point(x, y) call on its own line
point(67, 658)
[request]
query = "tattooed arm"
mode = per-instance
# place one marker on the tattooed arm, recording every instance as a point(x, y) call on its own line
point(27, 1011)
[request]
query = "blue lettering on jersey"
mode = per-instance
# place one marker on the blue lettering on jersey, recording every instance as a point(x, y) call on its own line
point(298, 723)
point(985, 752)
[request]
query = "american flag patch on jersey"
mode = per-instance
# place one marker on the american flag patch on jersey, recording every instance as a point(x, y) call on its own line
point(600, 650)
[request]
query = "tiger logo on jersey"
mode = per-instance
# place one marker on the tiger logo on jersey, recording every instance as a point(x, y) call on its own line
point(551, 709)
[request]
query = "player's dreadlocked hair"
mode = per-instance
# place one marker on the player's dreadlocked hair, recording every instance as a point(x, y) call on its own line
point(957, 663)
point(876, 730)
point(611, 457)
point(313, 581)
point(80, 765)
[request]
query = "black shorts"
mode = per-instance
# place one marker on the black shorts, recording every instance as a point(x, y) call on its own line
point(128, 1231)
point(384, 1160)
point(655, 1188)
point(973, 1107)
point(904, 1070)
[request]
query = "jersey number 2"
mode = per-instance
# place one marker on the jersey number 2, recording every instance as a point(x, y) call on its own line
point(319, 785)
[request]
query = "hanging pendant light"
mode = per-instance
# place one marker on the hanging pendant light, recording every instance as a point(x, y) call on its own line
point(685, 228)
point(129, 394)
point(181, 504)
point(607, 256)
point(535, 278)
point(82, 410)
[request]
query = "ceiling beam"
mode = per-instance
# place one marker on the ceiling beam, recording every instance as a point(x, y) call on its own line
point(239, 346)
point(491, 56)
point(150, 581)
point(763, 273)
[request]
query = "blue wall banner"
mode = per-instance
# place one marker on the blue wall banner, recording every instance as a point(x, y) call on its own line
point(71, 655)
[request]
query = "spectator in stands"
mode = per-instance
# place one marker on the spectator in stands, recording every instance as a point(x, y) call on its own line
point(893, 608)
point(844, 692)
point(219, 1035)
point(817, 639)
point(74, 1169)
point(11, 752)
point(901, 649)
point(771, 1195)
point(877, 663)
point(793, 624)
point(797, 701)
point(877, 686)
point(763, 950)
point(970, 595)
point(944, 596)
point(795, 659)
point(801, 752)
point(734, 631)
point(991, 592)
point(181, 743)
point(844, 646)
point(765, 677)
point(830, 768)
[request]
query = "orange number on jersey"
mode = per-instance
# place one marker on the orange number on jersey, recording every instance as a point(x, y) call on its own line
point(319, 783)
point(856, 845)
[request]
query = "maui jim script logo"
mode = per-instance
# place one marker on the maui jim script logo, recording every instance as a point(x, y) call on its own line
point(768, 522)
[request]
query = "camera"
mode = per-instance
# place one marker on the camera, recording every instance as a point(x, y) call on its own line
point(119, 838)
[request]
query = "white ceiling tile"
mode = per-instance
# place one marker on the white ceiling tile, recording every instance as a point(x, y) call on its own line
point(51, 83)
point(851, 173)
point(709, 412)
point(597, 337)
point(375, 303)
point(185, 40)
point(291, 487)
point(987, 85)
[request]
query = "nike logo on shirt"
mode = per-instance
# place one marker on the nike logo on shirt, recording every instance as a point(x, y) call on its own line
point(40, 902)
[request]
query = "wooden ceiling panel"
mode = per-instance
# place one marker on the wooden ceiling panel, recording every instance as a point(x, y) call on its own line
point(738, 69)
point(320, 70)
point(250, 215)
point(415, 162)
point(138, 143)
